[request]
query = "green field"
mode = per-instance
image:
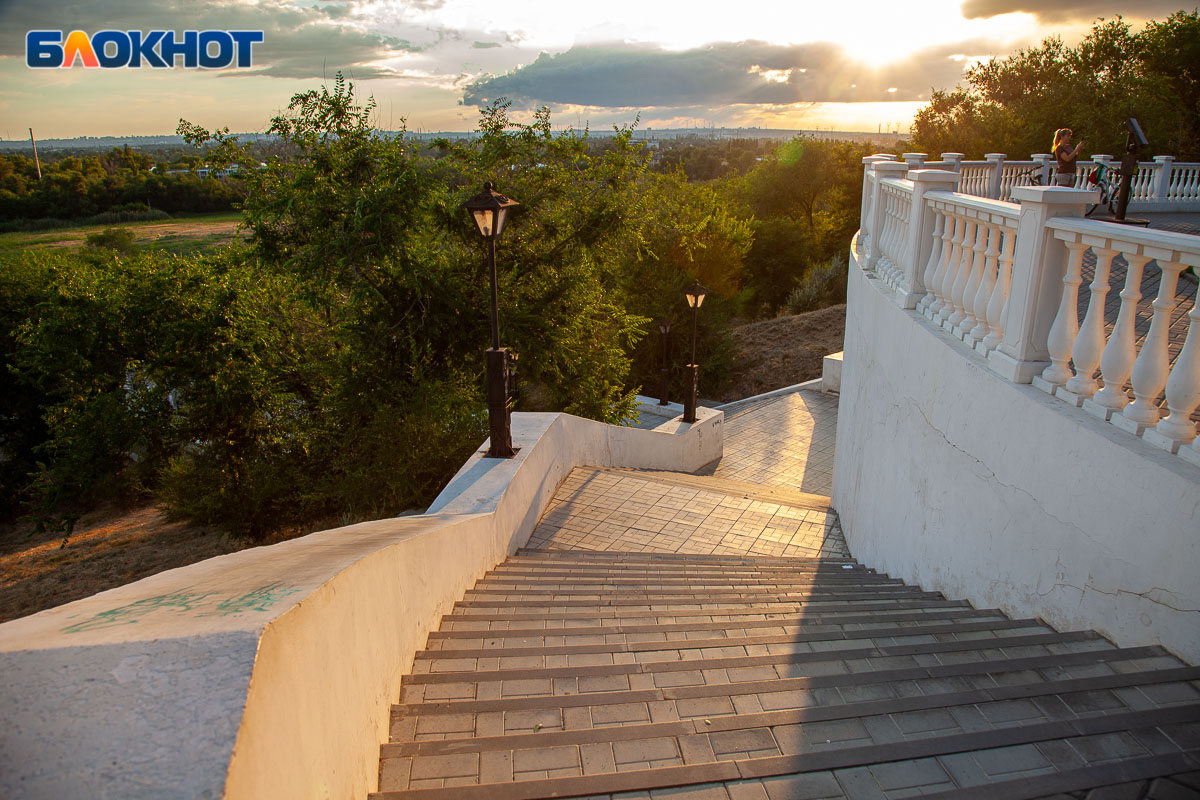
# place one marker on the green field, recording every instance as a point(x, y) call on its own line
point(200, 233)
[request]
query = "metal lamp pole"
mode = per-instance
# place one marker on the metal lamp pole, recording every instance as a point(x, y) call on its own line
point(489, 210)
point(664, 327)
point(695, 295)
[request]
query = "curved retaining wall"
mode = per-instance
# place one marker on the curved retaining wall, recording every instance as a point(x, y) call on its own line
point(951, 477)
point(269, 673)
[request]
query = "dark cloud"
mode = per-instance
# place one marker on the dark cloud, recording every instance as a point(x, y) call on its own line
point(721, 74)
point(299, 42)
point(485, 45)
point(1071, 10)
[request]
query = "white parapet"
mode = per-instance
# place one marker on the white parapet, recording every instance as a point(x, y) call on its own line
point(831, 373)
point(268, 673)
point(949, 476)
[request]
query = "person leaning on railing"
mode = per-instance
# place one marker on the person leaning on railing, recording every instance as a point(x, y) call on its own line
point(1066, 156)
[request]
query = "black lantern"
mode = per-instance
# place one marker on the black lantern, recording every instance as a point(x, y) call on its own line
point(664, 327)
point(695, 295)
point(490, 209)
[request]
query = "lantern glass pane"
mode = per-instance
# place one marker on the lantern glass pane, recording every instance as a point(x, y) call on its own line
point(483, 220)
point(501, 216)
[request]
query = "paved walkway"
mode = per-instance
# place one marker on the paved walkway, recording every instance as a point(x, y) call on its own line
point(631, 511)
point(783, 441)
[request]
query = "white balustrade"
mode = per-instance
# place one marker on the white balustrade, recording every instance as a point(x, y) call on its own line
point(951, 228)
point(1117, 360)
point(971, 287)
point(987, 284)
point(997, 307)
point(972, 251)
point(1005, 278)
point(1184, 184)
point(941, 224)
point(1156, 182)
point(1089, 342)
point(1183, 391)
point(1149, 375)
point(1066, 322)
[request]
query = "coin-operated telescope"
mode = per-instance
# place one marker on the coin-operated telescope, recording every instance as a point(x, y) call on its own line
point(1134, 143)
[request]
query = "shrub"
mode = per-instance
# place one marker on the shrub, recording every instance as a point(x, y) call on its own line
point(119, 240)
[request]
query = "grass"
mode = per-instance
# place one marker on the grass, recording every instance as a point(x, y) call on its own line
point(192, 235)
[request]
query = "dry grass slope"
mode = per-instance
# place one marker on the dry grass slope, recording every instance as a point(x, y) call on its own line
point(780, 352)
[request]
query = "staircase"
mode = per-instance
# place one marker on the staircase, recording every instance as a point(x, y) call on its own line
point(568, 673)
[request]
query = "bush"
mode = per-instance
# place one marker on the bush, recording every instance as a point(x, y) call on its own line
point(119, 240)
point(823, 286)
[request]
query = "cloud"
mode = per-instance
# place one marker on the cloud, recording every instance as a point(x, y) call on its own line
point(486, 45)
point(299, 41)
point(722, 74)
point(1070, 10)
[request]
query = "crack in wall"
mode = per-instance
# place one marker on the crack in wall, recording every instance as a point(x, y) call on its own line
point(1144, 595)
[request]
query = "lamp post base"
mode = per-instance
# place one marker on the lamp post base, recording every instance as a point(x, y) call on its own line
point(692, 377)
point(499, 425)
point(664, 388)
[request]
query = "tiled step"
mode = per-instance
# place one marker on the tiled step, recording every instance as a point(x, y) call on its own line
point(456, 628)
point(584, 674)
point(922, 762)
point(925, 707)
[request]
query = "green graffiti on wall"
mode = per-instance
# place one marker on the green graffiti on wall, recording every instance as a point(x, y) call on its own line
point(204, 604)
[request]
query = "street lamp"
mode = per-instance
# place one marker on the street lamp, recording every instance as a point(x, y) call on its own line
point(490, 209)
point(695, 295)
point(664, 327)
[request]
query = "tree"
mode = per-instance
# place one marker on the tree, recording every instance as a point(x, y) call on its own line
point(1015, 104)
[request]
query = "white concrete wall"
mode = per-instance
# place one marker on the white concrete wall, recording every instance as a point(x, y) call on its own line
point(269, 673)
point(950, 477)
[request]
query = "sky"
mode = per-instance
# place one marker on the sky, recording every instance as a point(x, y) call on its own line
point(862, 65)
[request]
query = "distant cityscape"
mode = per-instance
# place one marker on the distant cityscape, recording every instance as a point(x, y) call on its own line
point(645, 134)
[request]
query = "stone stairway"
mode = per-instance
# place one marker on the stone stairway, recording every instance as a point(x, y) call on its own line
point(569, 673)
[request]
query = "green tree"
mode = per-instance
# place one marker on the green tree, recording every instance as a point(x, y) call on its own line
point(1014, 104)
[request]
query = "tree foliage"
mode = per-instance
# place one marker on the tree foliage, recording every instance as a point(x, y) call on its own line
point(1014, 104)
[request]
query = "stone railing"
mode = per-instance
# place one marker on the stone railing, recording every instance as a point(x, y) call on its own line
point(953, 472)
point(958, 258)
point(1160, 184)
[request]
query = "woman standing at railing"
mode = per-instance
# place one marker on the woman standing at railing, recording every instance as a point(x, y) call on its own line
point(1066, 156)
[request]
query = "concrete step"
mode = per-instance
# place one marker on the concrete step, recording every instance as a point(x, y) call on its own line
point(930, 760)
point(585, 674)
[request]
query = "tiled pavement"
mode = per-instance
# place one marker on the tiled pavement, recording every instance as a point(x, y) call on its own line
point(625, 510)
point(783, 441)
point(667, 670)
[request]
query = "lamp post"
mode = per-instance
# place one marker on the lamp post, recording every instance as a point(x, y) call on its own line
point(695, 295)
point(664, 327)
point(490, 209)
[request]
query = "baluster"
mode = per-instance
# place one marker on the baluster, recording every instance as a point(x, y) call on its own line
point(1089, 342)
point(1066, 322)
point(889, 235)
point(1117, 360)
point(1183, 392)
point(935, 256)
point(951, 238)
point(956, 269)
point(1149, 374)
point(904, 263)
point(999, 300)
point(972, 286)
point(970, 255)
point(889, 272)
point(987, 285)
